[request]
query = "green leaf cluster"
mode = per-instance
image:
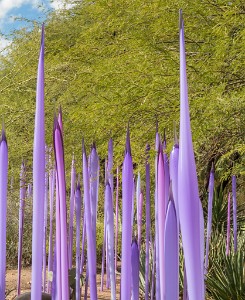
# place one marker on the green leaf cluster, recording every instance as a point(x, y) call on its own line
point(110, 62)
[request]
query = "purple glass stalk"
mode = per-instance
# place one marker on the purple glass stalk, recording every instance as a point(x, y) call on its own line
point(234, 211)
point(188, 196)
point(94, 187)
point(61, 191)
point(202, 238)
point(58, 270)
point(158, 292)
point(45, 223)
point(209, 221)
point(78, 222)
point(90, 241)
point(138, 191)
point(173, 170)
point(148, 225)
point(103, 249)
point(110, 166)
point(171, 250)
point(21, 222)
point(135, 270)
point(38, 181)
point(161, 218)
point(72, 200)
point(83, 242)
point(153, 270)
point(133, 192)
point(52, 174)
point(107, 261)
point(140, 219)
point(110, 235)
point(116, 234)
point(166, 173)
point(127, 190)
point(228, 225)
point(94, 190)
point(3, 210)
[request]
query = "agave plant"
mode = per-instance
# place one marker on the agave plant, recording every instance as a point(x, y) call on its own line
point(226, 279)
point(219, 213)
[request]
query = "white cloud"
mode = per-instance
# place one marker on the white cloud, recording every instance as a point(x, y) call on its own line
point(7, 5)
point(60, 4)
point(4, 43)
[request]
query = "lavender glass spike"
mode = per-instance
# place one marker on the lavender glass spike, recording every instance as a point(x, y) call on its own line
point(228, 234)
point(173, 171)
point(138, 191)
point(103, 249)
point(171, 253)
point(148, 225)
point(110, 235)
point(38, 180)
point(90, 241)
point(140, 219)
point(161, 218)
point(45, 221)
point(116, 234)
point(188, 195)
point(72, 200)
point(135, 270)
point(127, 187)
point(202, 238)
point(57, 263)
point(52, 173)
point(61, 184)
point(166, 172)
point(234, 211)
point(133, 194)
point(3, 210)
point(94, 187)
point(158, 292)
point(21, 222)
point(153, 270)
point(209, 221)
point(78, 222)
point(110, 166)
point(83, 242)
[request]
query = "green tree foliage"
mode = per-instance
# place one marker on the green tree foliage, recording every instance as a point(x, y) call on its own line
point(113, 62)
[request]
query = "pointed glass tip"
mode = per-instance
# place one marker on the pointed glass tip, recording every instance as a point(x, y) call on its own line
point(176, 142)
point(78, 184)
point(181, 21)
point(156, 125)
point(56, 123)
point(164, 144)
point(3, 136)
point(93, 146)
point(128, 147)
point(83, 147)
point(212, 167)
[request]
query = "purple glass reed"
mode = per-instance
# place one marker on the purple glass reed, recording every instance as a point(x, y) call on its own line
point(38, 180)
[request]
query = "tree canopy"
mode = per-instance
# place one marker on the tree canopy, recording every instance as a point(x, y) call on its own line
point(108, 63)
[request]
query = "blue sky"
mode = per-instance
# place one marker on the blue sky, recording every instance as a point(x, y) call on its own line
point(12, 10)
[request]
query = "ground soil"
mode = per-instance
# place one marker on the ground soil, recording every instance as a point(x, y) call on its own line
point(11, 285)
